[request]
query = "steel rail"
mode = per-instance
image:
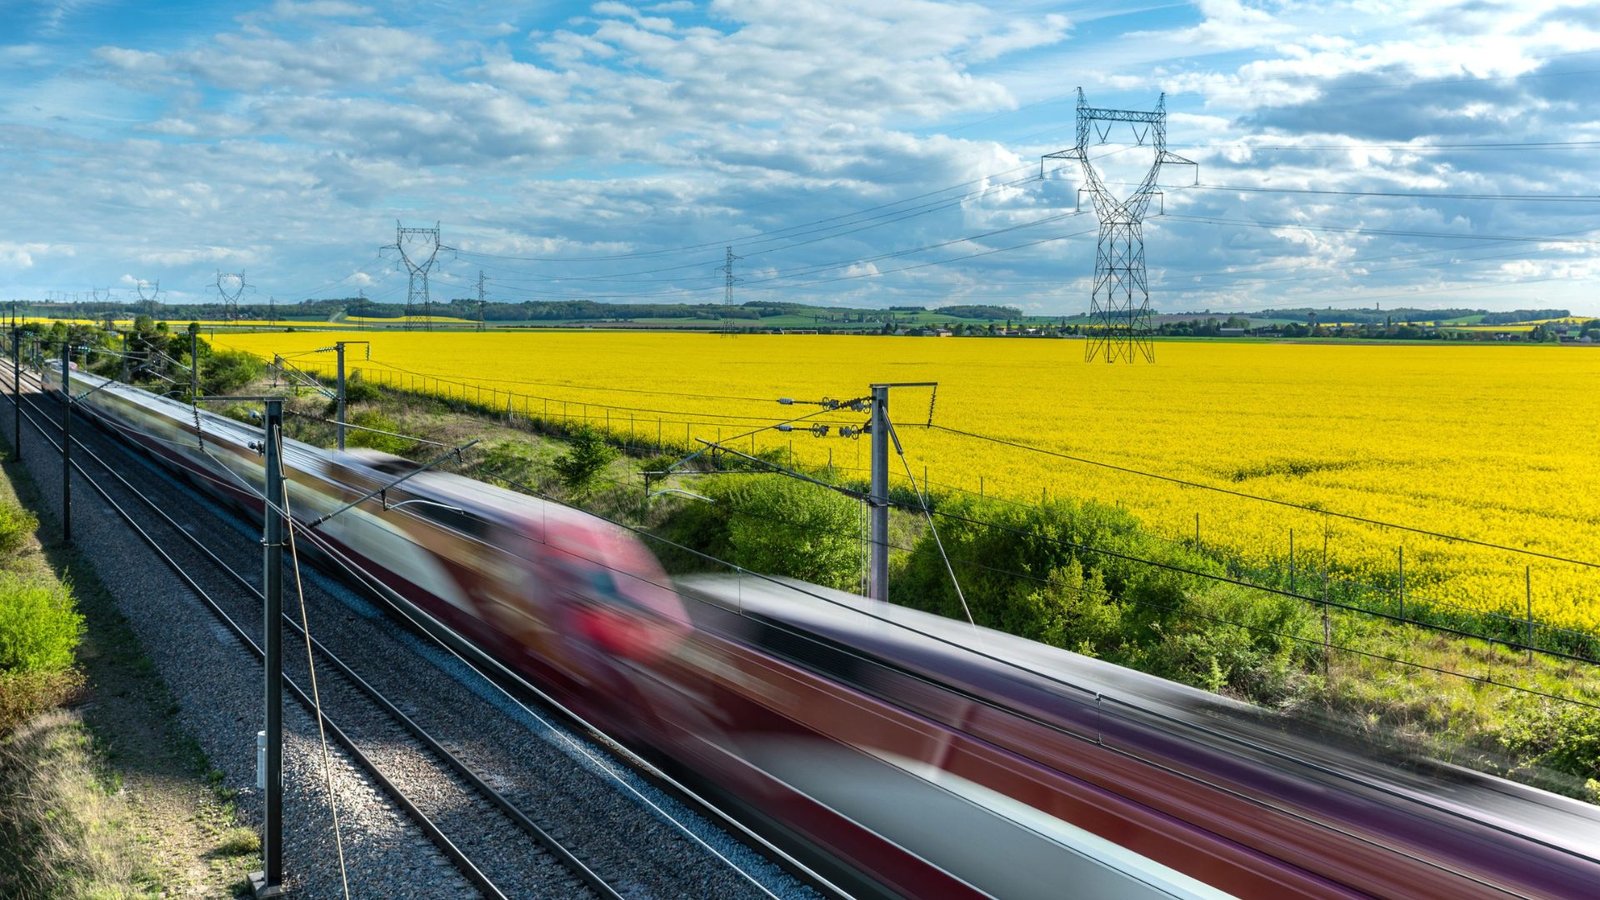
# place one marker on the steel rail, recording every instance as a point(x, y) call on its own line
point(482, 664)
point(543, 837)
point(463, 863)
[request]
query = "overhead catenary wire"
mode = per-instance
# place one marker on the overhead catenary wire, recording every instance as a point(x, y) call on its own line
point(311, 668)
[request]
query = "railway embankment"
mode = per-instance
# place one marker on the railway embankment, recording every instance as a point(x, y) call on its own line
point(1085, 576)
point(103, 792)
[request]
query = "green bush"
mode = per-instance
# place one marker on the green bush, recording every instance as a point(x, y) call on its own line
point(24, 695)
point(587, 456)
point(358, 390)
point(355, 391)
point(39, 628)
point(388, 443)
point(229, 370)
point(16, 523)
point(1044, 573)
point(508, 463)
point(782, 526)
point(771, 524)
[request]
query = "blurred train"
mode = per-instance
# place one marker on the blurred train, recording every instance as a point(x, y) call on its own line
point(899, 753)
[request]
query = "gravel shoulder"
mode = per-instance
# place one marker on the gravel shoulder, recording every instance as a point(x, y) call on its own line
point(117, 759)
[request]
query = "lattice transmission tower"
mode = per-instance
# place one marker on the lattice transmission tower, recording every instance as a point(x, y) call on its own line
point(419, 258)
point(148, 302)
point(728, 281)
point(1119, 308)
point(230, 285)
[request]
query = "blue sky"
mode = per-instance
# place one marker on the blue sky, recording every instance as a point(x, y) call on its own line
point(1422, 153)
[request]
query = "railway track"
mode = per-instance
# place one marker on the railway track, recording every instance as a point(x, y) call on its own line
point(518, 805)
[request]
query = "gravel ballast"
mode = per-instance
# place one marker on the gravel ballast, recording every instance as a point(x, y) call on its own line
point(642, 840)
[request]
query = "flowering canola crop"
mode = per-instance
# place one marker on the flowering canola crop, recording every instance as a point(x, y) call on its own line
point(1491, 443)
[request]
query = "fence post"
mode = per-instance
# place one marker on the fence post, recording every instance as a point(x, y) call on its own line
point(1527, 580)
point(1324, 562)
point(1402, 584)
point(1197, 531)
point(1293, 587)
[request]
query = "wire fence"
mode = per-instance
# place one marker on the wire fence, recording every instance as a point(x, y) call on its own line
point(1310, 572)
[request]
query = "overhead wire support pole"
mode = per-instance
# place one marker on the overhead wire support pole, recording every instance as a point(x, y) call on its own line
point(340, 400)
point(66, 442)
point(269, 881)
point(16, 392)
point(878, 499)
point(1119, 305)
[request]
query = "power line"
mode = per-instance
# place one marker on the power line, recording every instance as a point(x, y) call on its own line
point(1424, 195)
point(1350, 517)
point(1382, 232)
point(759, 235)
point(1421, 148)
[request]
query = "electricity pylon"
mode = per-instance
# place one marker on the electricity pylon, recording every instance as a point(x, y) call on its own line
point(418, 262)
point(727, 291)
point(480, 300)
point(1118, 327)
point(149, 303)
point(230, 293)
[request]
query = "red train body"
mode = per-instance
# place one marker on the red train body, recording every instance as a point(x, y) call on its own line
point(915, 755)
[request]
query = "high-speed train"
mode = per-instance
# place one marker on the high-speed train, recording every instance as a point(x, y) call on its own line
point(902, 753)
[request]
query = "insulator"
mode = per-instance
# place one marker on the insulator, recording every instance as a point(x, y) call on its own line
point(819, 430)
point(786, 401)
point(785, 427)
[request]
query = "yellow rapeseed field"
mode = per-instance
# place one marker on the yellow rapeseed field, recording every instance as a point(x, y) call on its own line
point(1492, 443)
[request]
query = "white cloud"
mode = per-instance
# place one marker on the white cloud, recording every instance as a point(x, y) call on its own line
point(22, 255)
point(292, 141)
point(289, 9)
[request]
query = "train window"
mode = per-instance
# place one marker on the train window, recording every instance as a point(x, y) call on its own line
point(393, 465)
point(455, 520)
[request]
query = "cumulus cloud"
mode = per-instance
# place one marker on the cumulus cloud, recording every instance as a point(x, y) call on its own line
point(873, 153)
point(22, 256)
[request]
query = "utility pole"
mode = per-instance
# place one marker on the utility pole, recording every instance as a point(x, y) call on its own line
point(16, 388)
point(878, 498)
point(339, 398)
point(878, 572)
point(194, 363)
point(339, 405)
point(269, 881)
point(1120, 328)
point(480, 299)
point(66, 441)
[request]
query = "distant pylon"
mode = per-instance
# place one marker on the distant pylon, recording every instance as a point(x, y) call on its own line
point(230, 293)
point(418, 262)
point(149, 303)
point(480, 300)
point(727, 291)
point(1119, 307)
